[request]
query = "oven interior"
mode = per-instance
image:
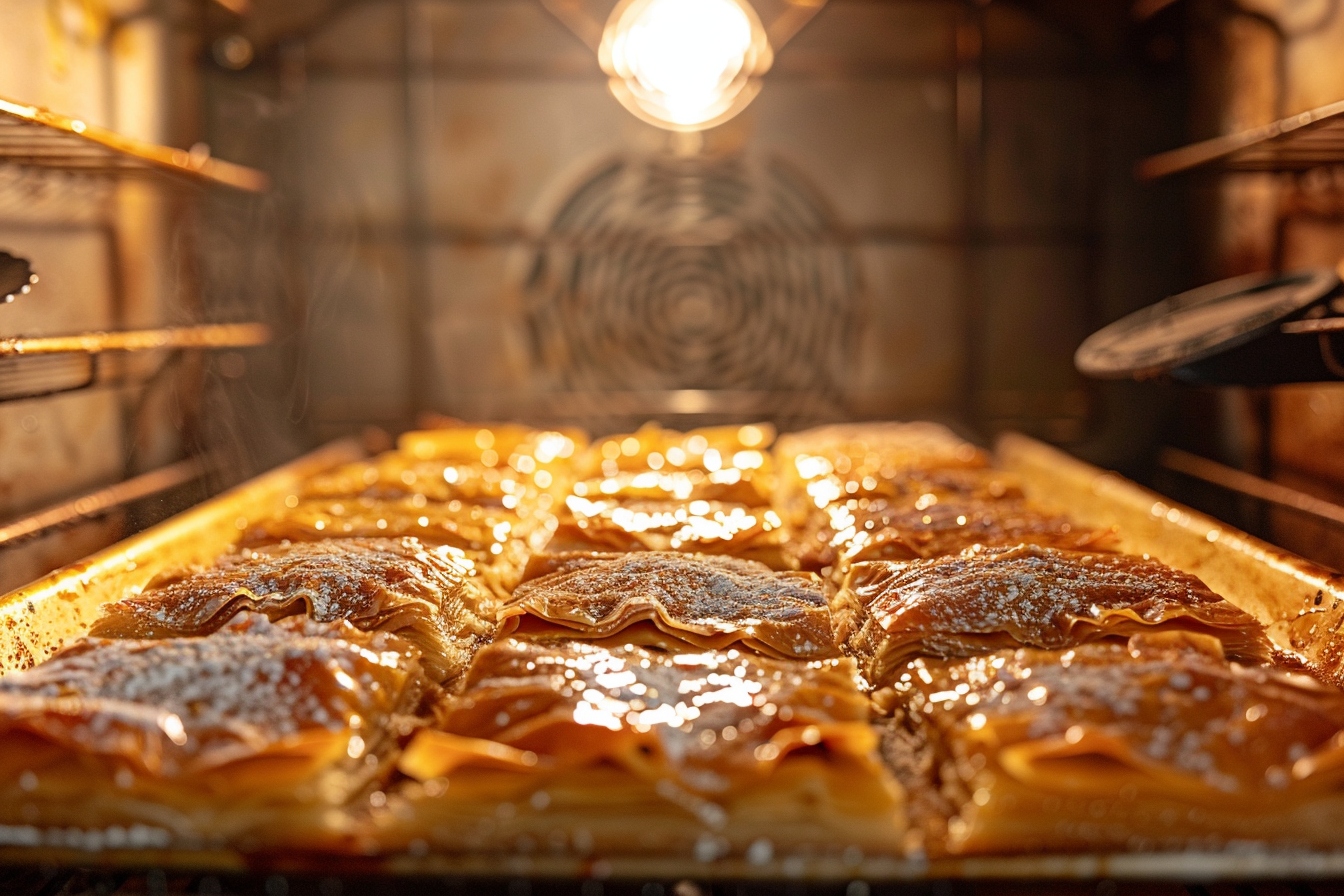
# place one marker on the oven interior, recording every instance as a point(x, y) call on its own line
point(386, 210)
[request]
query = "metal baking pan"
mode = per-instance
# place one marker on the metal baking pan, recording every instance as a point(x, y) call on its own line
point(1270, 583)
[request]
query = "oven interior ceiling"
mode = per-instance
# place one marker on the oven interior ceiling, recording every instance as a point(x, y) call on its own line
point(418, 207)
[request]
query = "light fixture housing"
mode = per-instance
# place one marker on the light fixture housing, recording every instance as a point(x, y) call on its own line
point(685, 65)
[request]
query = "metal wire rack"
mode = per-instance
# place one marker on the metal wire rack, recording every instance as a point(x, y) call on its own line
point(35, 137)
point(35, 367)
point(1295, 144)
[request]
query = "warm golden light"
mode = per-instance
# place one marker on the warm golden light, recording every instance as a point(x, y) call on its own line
point(685, 64)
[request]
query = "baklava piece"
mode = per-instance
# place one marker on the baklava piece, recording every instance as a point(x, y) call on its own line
point(500, 445)
point(479, 531)
point(496, 540)
point(401, 587)
point(885, 529)
point(697, 527)
point(248, 738)
point(728, 463)
point(395, 476)
point(678, 602)
point(876, 448)
point(572, 747)
point(1027, 596)
point(822, 465)
point(729, 485)
point(1160, 743)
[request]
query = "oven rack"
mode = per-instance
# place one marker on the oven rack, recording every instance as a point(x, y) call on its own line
point(34, 137)
point(102, 501)
point(1295, 144)
point(39, 366)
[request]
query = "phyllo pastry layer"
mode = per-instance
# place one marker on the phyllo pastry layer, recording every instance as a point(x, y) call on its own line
point(817, 466)
point(1158, 743)
point(703, 527)
point(502, 445)
point(744, 485)
point(884, 444)
point(650, 752)
point(1027, 596)
point(724, 463)
point(394, 476)
point(481, 531)
point(247, 737)
point(398, 586)
point(907, 529)
point(677, 601)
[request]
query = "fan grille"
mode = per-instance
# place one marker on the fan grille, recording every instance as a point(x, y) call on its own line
point(671, 274)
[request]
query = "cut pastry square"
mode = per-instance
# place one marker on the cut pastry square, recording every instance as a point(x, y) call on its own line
point(992, 598)
point(478, 530)
point(502, 445)
point(254, 737)
point(570, 746)
point(807, 499)
point(704, 527)
point(676, 601)
point(813, 462)
point(725, 456)
point(1161, 743)
point(745, 485)
point(496, 540)
point(399, 586)
point(888, 529)
point(878, 447)
point(395, 475)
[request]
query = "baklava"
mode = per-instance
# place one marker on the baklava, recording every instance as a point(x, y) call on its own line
point(400, 587)
point(697, 527)
point(571, 746)
point(253, 737)
point(678, 602)
point(1027, 596)
point(1158, 743)
point(885, 529)
point(728, 463)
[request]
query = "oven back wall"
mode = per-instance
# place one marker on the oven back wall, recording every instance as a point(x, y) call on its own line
point(922, 214)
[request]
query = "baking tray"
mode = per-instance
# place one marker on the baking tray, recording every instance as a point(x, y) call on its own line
point(1270, 583)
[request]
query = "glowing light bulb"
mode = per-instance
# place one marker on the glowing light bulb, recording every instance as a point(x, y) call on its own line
point(685, 64)
point(689, 52)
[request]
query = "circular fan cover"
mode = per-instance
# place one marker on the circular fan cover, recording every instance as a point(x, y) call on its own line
point(1200, 323)
point(693, 273)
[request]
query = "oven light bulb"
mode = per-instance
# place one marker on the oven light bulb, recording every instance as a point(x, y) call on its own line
point(688, 52)
point(685, 64)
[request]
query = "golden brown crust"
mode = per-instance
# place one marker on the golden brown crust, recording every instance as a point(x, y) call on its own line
point(395, 476)
point(886, 448)
point(648, 753)
point(731, 485)
point(885, 529)
point(985, 600)
point(203, 738)
point(821, 466)
point(396, 586)
point(660, 715)
point(1157, 743)
point(707, 451)
point(480, 531)
point(493, 444)
point(698, 527)
point(701, 601)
